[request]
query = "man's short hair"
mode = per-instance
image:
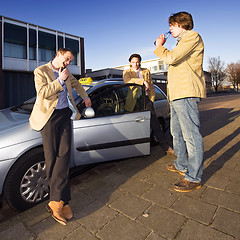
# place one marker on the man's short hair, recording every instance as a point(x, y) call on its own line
point(135, 55)
point(183, 19)
point(64, 50)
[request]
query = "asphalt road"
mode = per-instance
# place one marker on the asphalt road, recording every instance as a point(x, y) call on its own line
point(215, 107)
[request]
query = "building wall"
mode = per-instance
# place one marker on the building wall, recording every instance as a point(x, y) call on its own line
point(17, 87)
point(25, 46)
point(154, 65)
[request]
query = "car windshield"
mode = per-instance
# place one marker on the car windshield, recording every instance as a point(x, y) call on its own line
point(27, 106)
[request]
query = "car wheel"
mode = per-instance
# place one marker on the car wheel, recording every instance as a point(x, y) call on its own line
point(154, 139)
point(26, 183)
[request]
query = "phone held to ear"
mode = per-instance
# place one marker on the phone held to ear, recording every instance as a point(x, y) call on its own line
point(62, 68)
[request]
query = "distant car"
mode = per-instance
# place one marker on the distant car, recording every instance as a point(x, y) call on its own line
point(120, 129)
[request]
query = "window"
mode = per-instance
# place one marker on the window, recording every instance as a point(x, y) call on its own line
point(60, 42)
point(32, 44)
point(46, 46)
point(155, 68)
point(159, 95)
point(116, 99)
point(74, 46)
point(15, 41)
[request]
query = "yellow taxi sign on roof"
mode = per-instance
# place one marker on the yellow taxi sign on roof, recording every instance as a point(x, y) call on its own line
point(86, 80)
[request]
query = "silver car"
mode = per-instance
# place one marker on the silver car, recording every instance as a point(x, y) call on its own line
point(120, 129)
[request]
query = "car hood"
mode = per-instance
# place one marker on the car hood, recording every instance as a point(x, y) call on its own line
point(9, 119)
point(15, 129)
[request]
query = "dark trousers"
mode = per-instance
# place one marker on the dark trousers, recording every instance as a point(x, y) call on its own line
point(56, 138)
point(155, 125)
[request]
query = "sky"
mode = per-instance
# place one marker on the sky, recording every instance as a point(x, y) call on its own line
point(113, 30)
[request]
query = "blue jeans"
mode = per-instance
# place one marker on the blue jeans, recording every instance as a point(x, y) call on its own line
point(187, 139)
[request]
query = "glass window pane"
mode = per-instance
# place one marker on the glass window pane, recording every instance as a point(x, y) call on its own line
point(45, 55)
point(15, 50)
point(74, 46)
point(60, 42)
point(47, 40)
point(32, 44)
point(32, 38)
point(134, 99)
point(159, 95)
point(46, 46)
point(15, 41)
point(15, 34)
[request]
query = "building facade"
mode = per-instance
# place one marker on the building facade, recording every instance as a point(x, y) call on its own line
point(25, 46)
point(156, 66)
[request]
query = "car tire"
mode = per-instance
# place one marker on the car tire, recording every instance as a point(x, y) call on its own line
point(26, 183)
point(154, 139)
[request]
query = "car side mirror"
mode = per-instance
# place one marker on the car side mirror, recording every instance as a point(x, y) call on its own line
point(88, 112)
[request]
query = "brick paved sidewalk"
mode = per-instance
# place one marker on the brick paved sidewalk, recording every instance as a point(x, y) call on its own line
point(134, 199)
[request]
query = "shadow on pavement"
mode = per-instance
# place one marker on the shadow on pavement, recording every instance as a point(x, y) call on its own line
point(214, 119)
point(218, 163)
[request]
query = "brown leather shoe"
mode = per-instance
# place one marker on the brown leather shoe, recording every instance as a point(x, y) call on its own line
point(56, 208)
point(67, 212)
point(172, 168)
point(187, 186)
point(170, 151)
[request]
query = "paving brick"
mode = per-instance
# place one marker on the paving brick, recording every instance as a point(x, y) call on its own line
point(106, 193)
point(136, 186)
point(80, 201)
point(154, 236)
point(159, 166)
point(52, 230)
point(194, 230)
point(9, 223)
point(115, 179)
point(233, 186)
point(195, 209)
point(17, 231)
point(135, 172)
point(228, 173)
point(123, 228)
point(161, 196)
point(216, 182)
point(95, 216)
point(130, 205)
point(34, 215)
point(227, 222)
point(82, 234)
point(222, 198)
point(162, 180)
point(162, 221)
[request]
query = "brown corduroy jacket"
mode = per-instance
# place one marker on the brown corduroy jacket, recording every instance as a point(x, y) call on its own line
point(185, 71)
point(47, 88)
point(130, 76)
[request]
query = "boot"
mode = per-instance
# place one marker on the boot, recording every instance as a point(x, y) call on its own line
point(56, 208)
point(67, 212)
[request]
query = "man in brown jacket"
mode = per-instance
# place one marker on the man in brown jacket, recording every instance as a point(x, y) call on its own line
point(142, 76)
point(186, 86)
point(51, 116)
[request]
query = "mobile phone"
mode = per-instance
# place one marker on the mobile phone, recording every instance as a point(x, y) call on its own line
point(62, 68)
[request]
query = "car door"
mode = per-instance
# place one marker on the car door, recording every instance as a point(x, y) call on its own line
point(120, 128)
point(161, 104)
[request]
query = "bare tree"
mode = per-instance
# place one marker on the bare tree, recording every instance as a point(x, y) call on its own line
point(233, 74)
point(217, 70)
